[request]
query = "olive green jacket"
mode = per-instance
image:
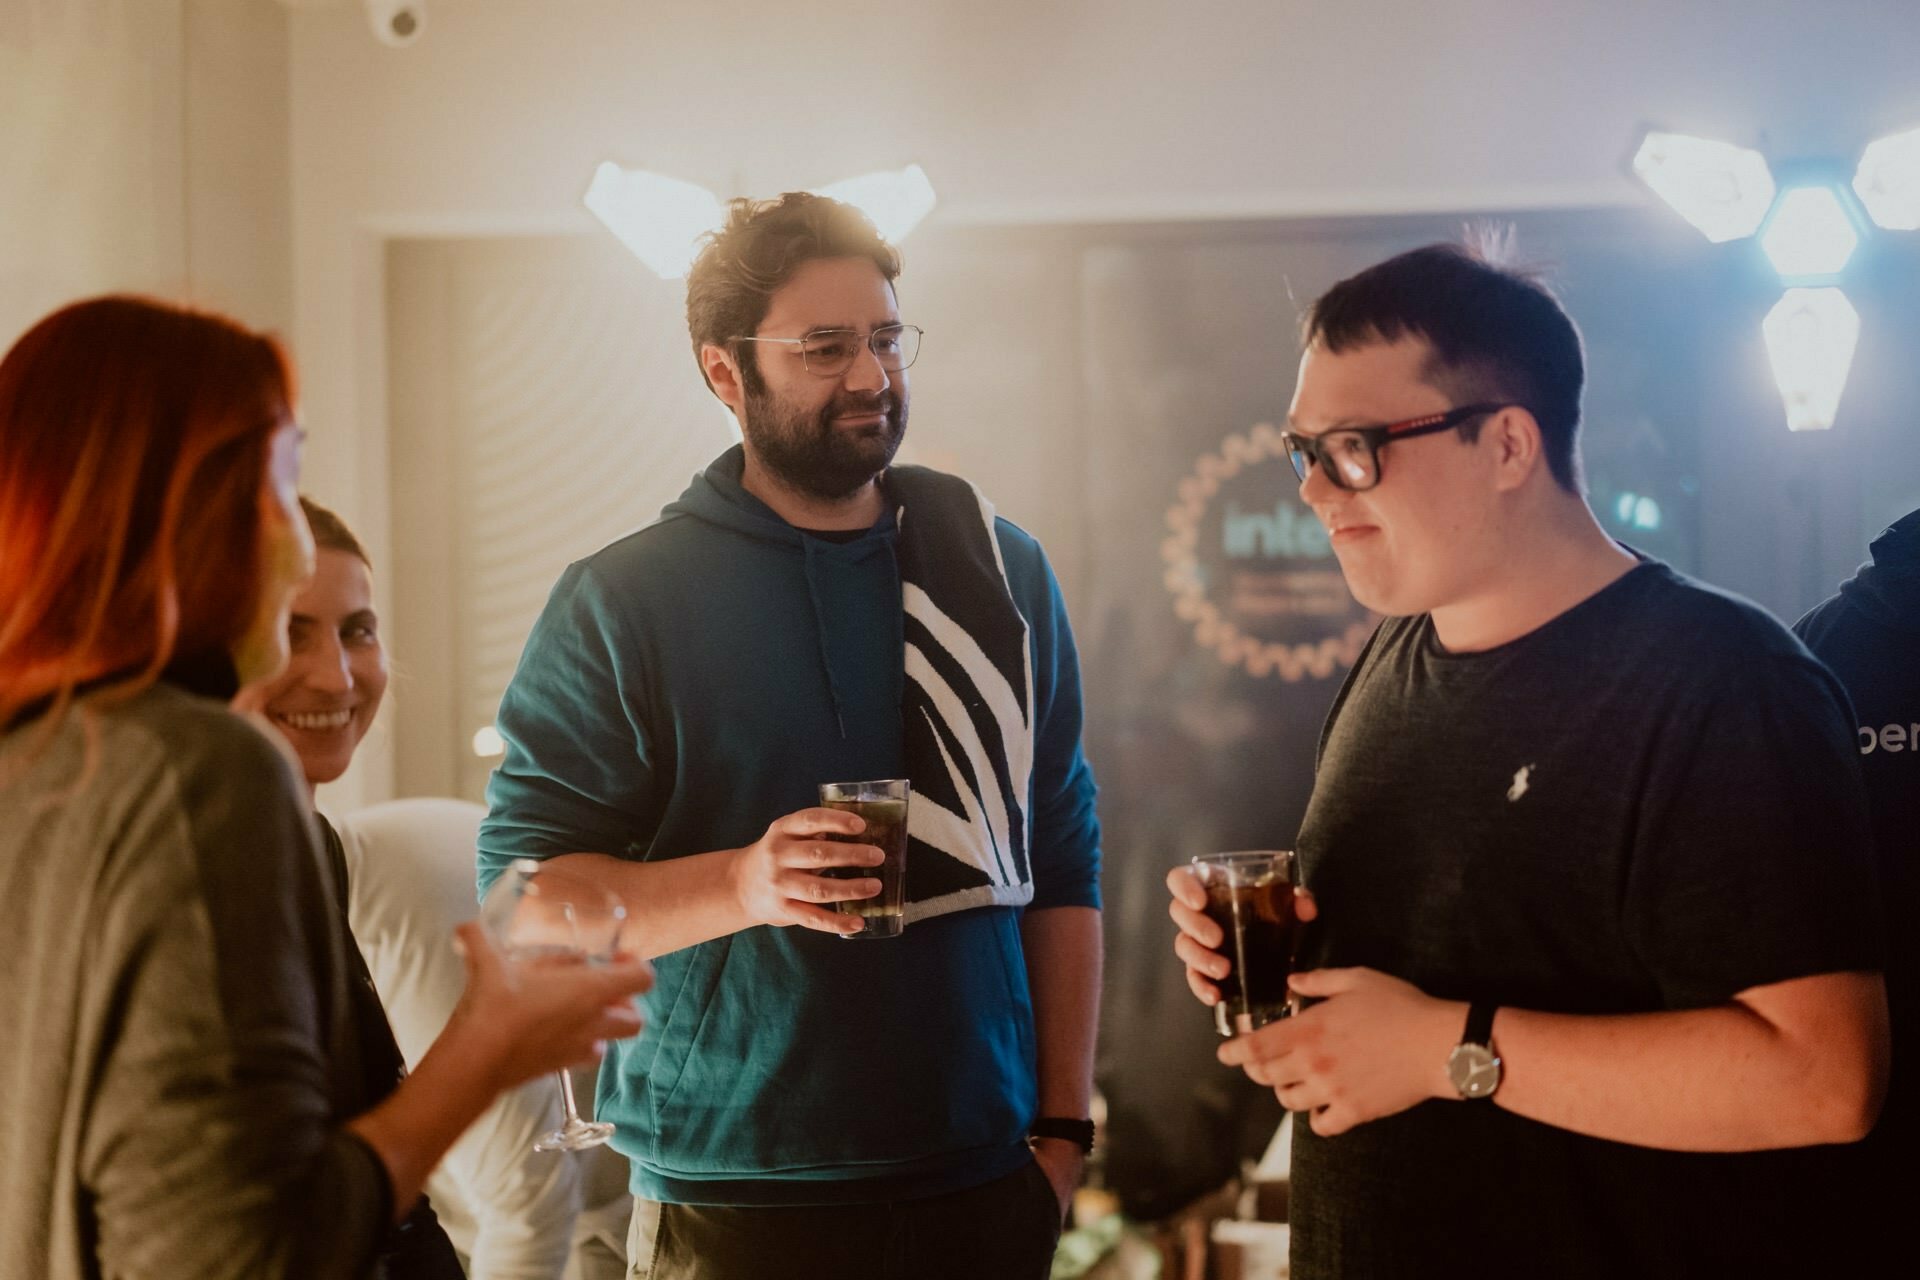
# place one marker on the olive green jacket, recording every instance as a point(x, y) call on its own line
point(177, 1054)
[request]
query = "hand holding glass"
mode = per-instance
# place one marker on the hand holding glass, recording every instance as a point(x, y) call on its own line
point(882, 805)
point(538, 916)
point(1250, 896)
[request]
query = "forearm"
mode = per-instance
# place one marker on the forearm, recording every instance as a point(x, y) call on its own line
point(414, 1126)
point(1793, 1064)
point(671, 904)
point(1062, 946)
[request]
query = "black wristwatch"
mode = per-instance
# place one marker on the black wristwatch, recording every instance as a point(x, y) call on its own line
point(1473, 1066)
point(1078, 1132)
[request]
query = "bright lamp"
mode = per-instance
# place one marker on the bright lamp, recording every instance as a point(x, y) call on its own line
point(1888, 181)
point(1811, 335)
point(1809, 234)
point(660, 218)
point(1721, 189)
point(896, 199)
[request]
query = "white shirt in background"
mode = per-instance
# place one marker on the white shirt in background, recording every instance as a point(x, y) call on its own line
point(513, 1214)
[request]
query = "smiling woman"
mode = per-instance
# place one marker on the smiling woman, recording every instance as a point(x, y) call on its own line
point(326, 699)
point(192, 1082)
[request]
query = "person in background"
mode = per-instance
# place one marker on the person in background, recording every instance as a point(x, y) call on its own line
point(407, 874)
point(1596, 933)
point(809, 613)
point(1869, 634)
point(185, 1086)
point(512, 1212)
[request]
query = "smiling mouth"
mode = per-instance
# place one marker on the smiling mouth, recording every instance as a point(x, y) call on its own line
point(316, 721)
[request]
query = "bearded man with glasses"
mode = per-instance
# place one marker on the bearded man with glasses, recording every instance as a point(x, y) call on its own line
point(808, 612)
point(1593, 941)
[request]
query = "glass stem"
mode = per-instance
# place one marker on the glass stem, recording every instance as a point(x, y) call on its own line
point(566, 1097)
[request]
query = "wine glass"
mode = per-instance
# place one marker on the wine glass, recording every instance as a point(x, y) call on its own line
point(535, 914)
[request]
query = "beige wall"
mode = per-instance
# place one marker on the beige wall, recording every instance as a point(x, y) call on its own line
point(143, 145)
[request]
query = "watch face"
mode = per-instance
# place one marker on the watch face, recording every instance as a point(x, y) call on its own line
point(1474, 1070)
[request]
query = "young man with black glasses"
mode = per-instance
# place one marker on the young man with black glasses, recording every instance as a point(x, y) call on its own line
point(809, 1106)
point(1593, 933)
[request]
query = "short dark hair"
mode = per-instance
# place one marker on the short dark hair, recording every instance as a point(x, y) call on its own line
point(744, 263)
point(1497, 333)
point(330, 532)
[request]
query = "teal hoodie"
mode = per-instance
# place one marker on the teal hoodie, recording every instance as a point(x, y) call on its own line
point(684, 687)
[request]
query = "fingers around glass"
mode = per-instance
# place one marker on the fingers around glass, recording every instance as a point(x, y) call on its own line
point(831, 853)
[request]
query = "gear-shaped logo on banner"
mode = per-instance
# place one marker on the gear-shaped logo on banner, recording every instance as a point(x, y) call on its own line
point(1185, 579)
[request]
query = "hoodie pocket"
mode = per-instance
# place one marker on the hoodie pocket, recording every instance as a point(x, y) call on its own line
point(693, 1004)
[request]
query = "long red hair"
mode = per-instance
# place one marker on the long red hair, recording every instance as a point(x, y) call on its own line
point(134, 444)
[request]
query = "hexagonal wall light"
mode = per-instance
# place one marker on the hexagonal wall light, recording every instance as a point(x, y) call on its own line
point(1806, 232)
point(1723, 190)
point(662, 219)
point(1811, 334)
point(1888, 180)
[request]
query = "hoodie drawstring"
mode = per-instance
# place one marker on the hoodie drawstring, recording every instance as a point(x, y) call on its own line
point(820, 631)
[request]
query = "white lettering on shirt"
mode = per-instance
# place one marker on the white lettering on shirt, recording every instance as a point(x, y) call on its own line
point(1889, 737)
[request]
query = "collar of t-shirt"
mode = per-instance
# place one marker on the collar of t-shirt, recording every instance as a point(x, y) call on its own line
point(836, 535)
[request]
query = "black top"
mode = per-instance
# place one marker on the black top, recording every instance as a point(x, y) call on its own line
point(1869, 634)
point(1651, 802)
point(418, 1248)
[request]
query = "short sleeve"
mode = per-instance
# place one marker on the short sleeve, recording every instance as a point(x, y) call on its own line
point(576, 776)
point(1752, 860)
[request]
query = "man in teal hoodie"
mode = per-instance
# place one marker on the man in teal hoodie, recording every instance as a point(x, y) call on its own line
point(801, 1105)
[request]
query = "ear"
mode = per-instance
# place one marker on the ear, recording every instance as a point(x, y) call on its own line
point(1513, 435)
point(722, 368)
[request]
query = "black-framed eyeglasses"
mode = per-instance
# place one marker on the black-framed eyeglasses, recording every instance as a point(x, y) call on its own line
point(1350, 456)
point(828, 353)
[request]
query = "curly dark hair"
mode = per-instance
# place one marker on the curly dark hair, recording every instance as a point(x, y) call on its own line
point(764, 242)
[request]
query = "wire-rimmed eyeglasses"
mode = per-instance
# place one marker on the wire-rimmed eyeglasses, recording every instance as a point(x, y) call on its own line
point(1350, 456)
point(828, 353)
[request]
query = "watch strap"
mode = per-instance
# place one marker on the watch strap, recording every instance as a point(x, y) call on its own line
point(1078, 1132)
point(1479, 1024)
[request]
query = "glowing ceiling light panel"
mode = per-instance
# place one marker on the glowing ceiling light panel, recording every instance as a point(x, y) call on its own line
point(660, 218)
point(1888, 181)
point(896, 199)
point(1809, 234)
point(1721, 189)
point(1811, 335)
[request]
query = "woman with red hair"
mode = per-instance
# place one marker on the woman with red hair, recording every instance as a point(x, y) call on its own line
point(184, 1087)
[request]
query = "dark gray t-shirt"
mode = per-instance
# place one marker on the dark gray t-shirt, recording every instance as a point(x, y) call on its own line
point(1651, 802)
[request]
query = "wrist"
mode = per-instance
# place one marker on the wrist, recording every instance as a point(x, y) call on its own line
point(469, 1050)
point(1442, 1037)
point(1065, 1130)
point(733, 874)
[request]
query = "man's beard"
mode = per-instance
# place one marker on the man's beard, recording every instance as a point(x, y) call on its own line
point(807, 453)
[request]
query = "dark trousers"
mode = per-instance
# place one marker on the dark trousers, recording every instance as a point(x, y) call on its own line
point(1004, 1230)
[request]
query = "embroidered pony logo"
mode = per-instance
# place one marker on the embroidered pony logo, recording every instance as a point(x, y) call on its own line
point(1521, 776)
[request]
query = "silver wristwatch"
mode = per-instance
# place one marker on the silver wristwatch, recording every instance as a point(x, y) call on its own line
point(1473, 1066)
